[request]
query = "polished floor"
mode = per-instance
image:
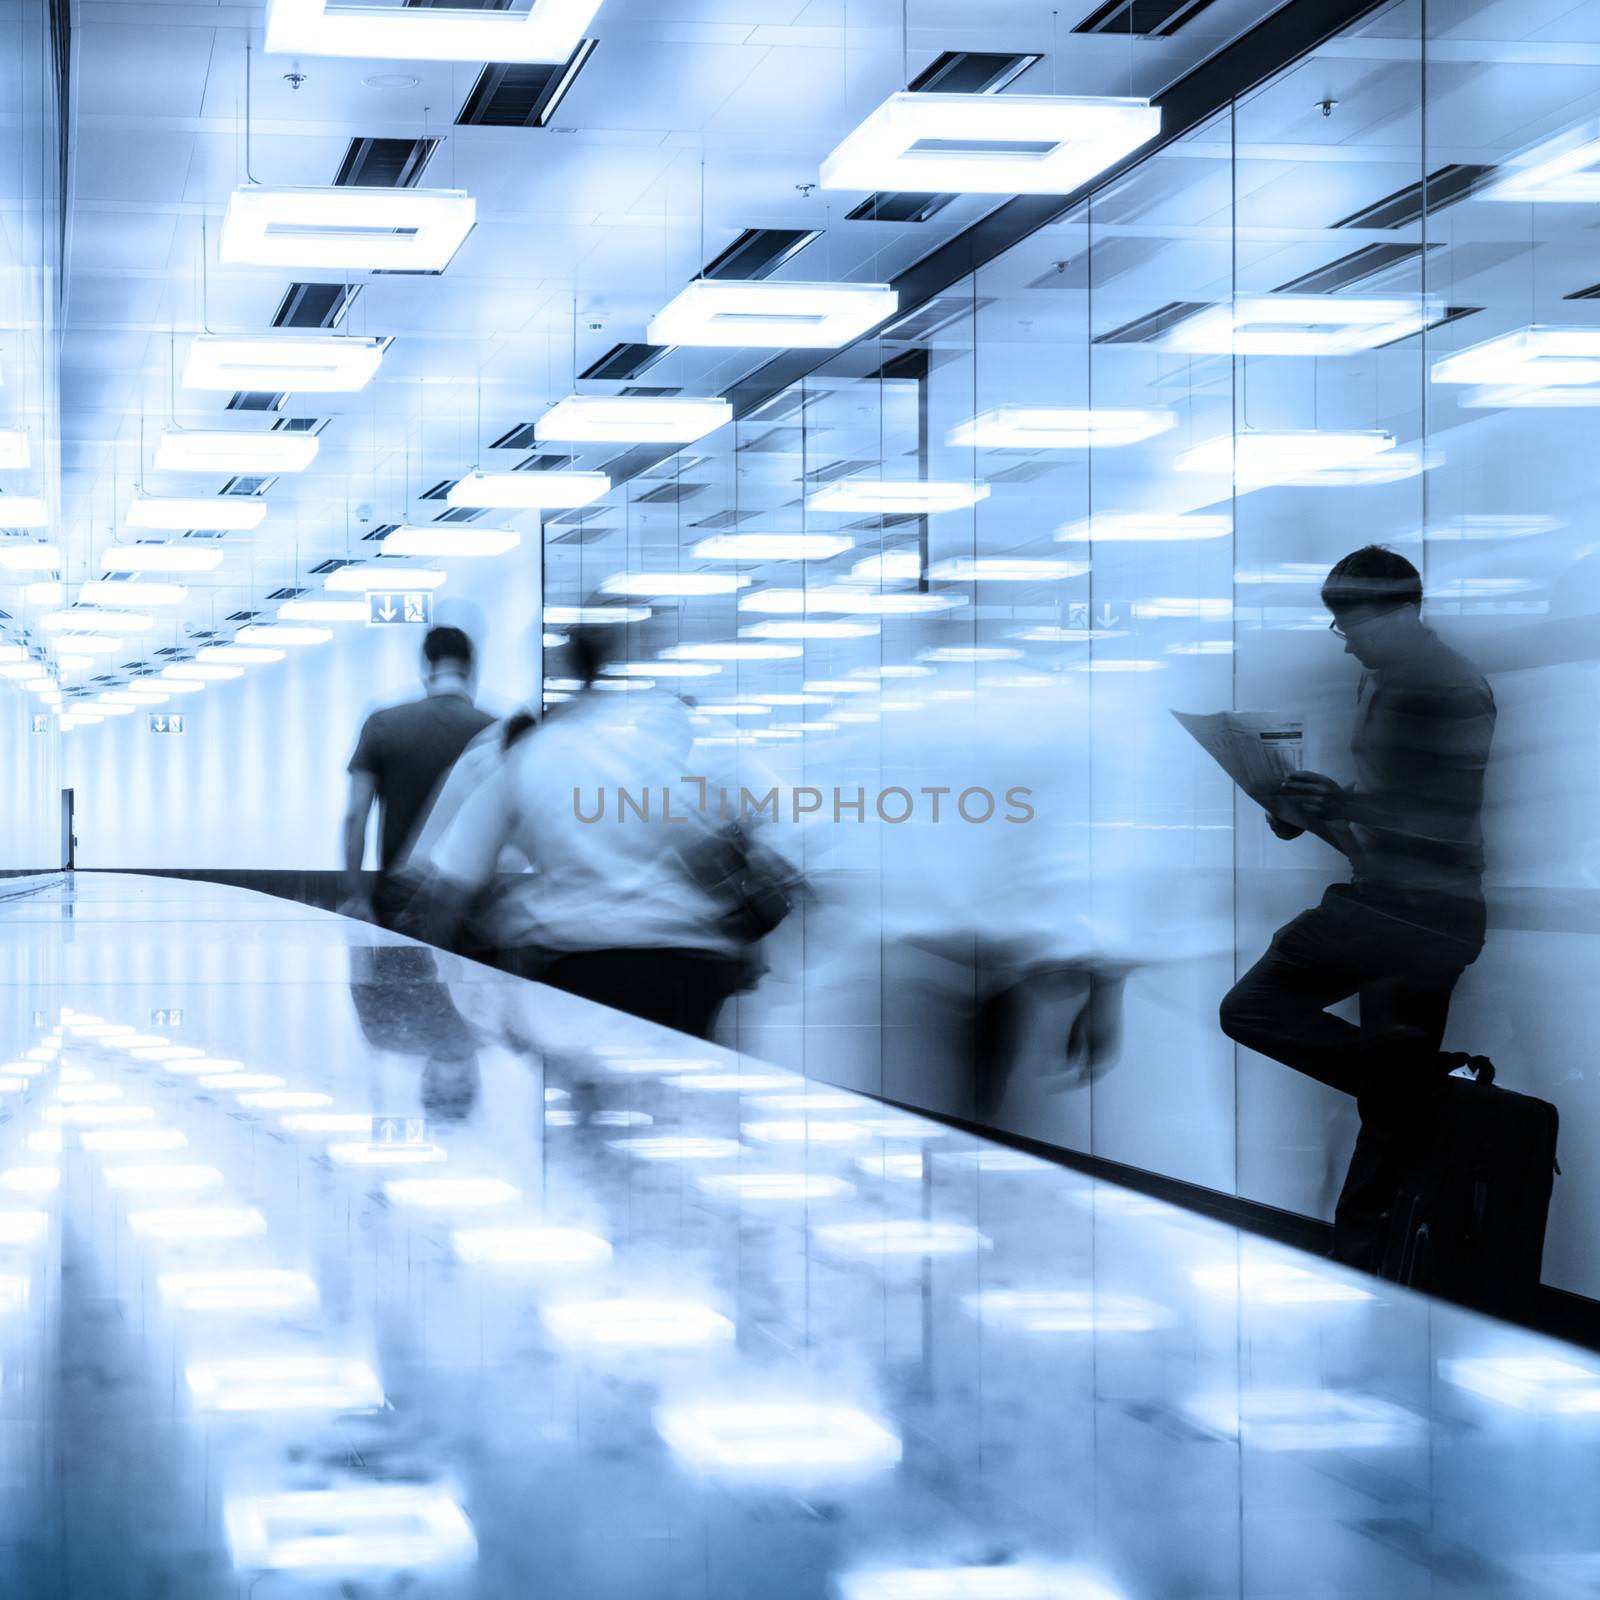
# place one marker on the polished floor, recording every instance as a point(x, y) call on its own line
point(330, 1266)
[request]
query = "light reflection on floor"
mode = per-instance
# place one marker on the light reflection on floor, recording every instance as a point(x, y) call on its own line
point(710, 1332)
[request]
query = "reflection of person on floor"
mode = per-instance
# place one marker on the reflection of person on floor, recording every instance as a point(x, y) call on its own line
point(1401, 933)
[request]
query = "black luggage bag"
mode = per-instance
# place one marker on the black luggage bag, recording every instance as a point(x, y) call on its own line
point(1462, 1212)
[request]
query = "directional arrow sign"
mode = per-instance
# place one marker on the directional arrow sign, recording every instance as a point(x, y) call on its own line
point(399, 608)
point(166, 721)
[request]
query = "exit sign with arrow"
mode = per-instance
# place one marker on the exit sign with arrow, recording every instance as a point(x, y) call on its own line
point(399, 608)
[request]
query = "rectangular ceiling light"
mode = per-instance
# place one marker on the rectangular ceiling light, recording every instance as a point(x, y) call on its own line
point(1145, 525)
point(363, 579)
point(161, 558)
point(311, 363)
point(409, 541)
point(733, 652)
point(528, 491)
point(1000, 569)
point(1298, 325)
point(989, 143)
point(788, 628)
point(1563, 169)
point(15, 453)
point(23, 511)
point(204, 672)
point(281, 633)
point(29, 557)
point(673, 583)
point(594, 616)
point(95, 593)
point(1257, 459)
point(323, 611)
point(772, 546)
point(1531, 357)
point(390, 230)
point(719, 312)
point(97, 621)
point(632, 419)
point(188, 450)
point(235, 655)
point(85, 644)
point(548, 31)
point(215, 513)
point(876, 496)
point(846, 601)
point(1059, 427)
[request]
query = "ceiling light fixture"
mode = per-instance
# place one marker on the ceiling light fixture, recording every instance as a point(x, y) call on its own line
point(367, 577)
point(235, 655)
point(96, 592)
point(1259, 459)
point(15, 453)
point(594, 616)
point(1538, 358)
point(1001, 569)
point(186, 450)
point(528, 491)
point(23, 511)
point(1298, 325)
point(97, 621)
point(276, 633)
point(549, 31)
point(989, 143)
point(26, 556)
point(632, 419)
point(442, 541)
point(787, 628)
point(732, 652)
point(872, 496)
point(1059, 427)
point(769, 315)
point(323, 611)
point(204, 672)
point(49, 592)
point(389, 230)
point(666, 584)
point(848, 602)
point(320, 363)
point(772, 546)
point(161, 558)
point(215, 513)
point(1563, 169)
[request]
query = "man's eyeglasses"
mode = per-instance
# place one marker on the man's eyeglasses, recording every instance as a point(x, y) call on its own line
point(1336, 630)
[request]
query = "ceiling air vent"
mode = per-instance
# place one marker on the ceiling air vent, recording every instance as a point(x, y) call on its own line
point(621, 469)
point(1591, 293)
point(521, 96)
point(248, 401)
point(544, 463)
point(670, 494)
point(243, 616)
point(384, 163)
point(758, 253)
point(1353, 268)
point(971, 72)
point(332, 564)
point(248, 486)
point(382, 531)
point(721, 521)
point(1405, 206)
point(439, 490)
point(1150, 19)
point(300, 425)
point(460, 514)
point(1151, 326)
point(837, 469)
point(288, 593)
point(314, 305)
point(885, 207)
point(937, 314)
point(520, 437)
point(625, 361)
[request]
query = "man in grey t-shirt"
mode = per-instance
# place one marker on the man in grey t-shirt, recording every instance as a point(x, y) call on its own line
point(402, 755)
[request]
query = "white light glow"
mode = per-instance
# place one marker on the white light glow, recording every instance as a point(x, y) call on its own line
point(273, 634)
point(662, 669)
point(48, 592)
point(1065, 1311)
point(214, 513)
point(890, 497)
point(1544, 1384)
point(159, 1177)
point(15, 453)
point(207, 672)
point(1019, 1582)
point(350, 1154)
point(632, 419)
point(952, 654)
point(989, 144)
point(899, 1166)
point(809, 1100)
point(388, 1526)
point(450, 541)
point(1306, 1419)
point(161, 558)
point(529, 1247)
point(678, 1147)
point(1274, 1283)
point(1534, 357)
point(800, 1130)
point(185, 450)
point(306, 363)
point(96, 593)
point(638, 1324)
point(848, 601)
point(87, 1093)
point(238, 1289)
point(548, 31)
point(388, 229)
point(1258, 459)
point(328, 1122)
point(1298, 325)
point(746, 651)
point(197, 1222)
point(1002, 569)
point(31, 1180)
point(450, 1194)
point(528, 491)
point(771, 314)
point(594, 616)
point(23, 555)
point(901, 1238)
point(23, 511)
point(323, 611)
point(14, 1289)
point(788, 628)
point(781, 1438)
point(239, 1080)
point(97, 1116)
point(1059, 427)
point(1106, 526)
point(97, 621)
point(775, 1186)
point(284, 1100)
point(1562, 170)
point(735, 1082)
point(672, 583)
point(365, 578)
point(771, 546)
point(237, 655)
point(284, 1383)
point(23, 1227)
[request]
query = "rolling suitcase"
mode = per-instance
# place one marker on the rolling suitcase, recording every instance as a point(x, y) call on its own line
point(1462, 1215)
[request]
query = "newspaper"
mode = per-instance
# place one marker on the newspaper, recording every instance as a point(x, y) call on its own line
point(1257, 749)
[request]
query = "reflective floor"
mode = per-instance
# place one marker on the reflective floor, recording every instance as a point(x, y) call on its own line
point(329, 1266)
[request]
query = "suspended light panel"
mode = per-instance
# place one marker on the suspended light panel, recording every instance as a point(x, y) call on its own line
point(131, 594)
point(1258, 459)
point(390, 230)
point(772, 546)
point(186, 450)
point(1059, 427)
point(323, 611)
point(1299, 325)
point(23, 511)
point(15, 453)
point(875, 497)
point(324, 363)
point(236, 655)
point(47, 592)
point(279, 633)
point(97, 621)
point(161, 558)
point(26, 556)
point(528, 491)
point(450, 541)
point(769, 315)
point(1565, 169)
point(594, 616)
point(363, 579)
point(215, 513)
point(549, 31)
point(989, 143)
point(673, 583)
point(632, 419)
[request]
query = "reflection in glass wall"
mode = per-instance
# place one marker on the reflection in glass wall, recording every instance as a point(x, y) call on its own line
point(969, 568)
point(30, 241)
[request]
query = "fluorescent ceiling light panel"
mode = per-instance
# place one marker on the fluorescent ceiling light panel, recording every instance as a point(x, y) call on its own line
point(207, 672)
point(1257, 459)
point(662, 669)
point(392, 1527)
point(191, 450)
point(97, 621)
point(1563, 169)
point(673, 583)
point(1544, 1384)
point(787, 628)
point(632, 419)
point(181, 685)
point(1059, 427)
point(389, 230)
point(86, 644)
point(309, 363)
point(49, 592)
point(237, 1288)
point(594, 616)
point(1298, 325)
point(733, 652)
point(528, 491)
point(1013, 1581)
point(26, 556)
point(161, 558)
point(284, 1383)
point(23, 511)
point(783, 1438)
point(281, 633)
point(441, 541)
point(367, 578)
point(873, 496)
point(216, 513)
point(632, 1324)
point(15, 453)
point(236, 655)
point(132, 594)
point(1534, 357)
point(1497, 395)
point(1000, 569)
point(549, 31)
point(764, 314)
point(1154, 526)
point(772, 546)
point(323, 611)
point(989, 143)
